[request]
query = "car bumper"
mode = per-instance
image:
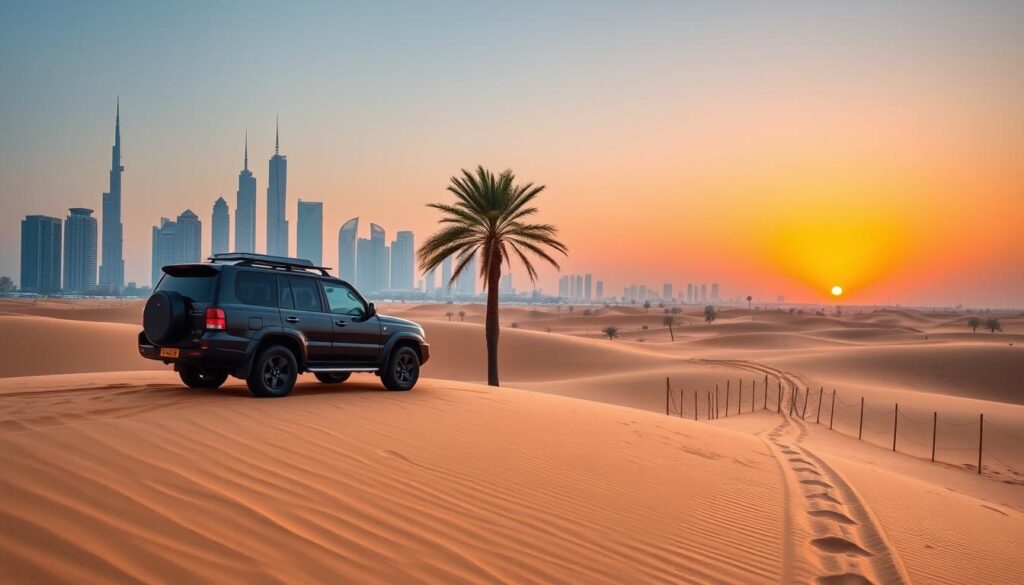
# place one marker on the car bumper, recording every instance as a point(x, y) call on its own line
point(424, 352)
point(206, 353)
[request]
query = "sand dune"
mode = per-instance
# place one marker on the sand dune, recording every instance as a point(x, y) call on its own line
point(453, 483)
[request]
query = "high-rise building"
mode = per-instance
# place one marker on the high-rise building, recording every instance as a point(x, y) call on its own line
point(633, 293)
point(587, 290)
point(430, 281)
point(112, 267)
point(80, 251)
point(666, 292)
point(347, 249)
point(563, 287)
point(689, 292)
point(245, 206)
point(277, 201)
point(703, 293)
point(381, 257)
point(40, 254)
point(599, 292)
point(176, 242)
point(642, 293)
point(309, 233)
point(465, 284)
point(403, 263)
point(714, 292)
point(220, 227)
point(372, 261)
point(446, 277)
point(505, 284)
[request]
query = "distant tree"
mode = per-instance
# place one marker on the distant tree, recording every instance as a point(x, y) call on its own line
point(974, 323)
point(449, 314)
point(462, 316)
point(571, 308)
point(514, 325)
point(792, 310)
point(993, 325)
point(587, 313)
point(669, 321)
point(647, 306)
point(611, 331)
point(7, 285)
point(709, 314)
point(750, 299)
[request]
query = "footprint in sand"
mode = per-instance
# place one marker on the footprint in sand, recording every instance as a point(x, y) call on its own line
point(816, 482)
point(844, 579)
point(831, 515)
point(839, 546)
point(823, 496)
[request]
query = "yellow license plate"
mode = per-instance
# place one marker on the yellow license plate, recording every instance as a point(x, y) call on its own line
point(169, 352)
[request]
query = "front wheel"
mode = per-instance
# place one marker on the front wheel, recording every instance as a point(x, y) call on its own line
point(402, 371)
point(332, 377)
point(274, 373)
point(196, 377)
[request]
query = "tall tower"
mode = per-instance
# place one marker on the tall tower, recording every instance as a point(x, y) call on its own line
point(245, 207)
point(347, 249)
point(112, 266)
point(220, 227)
point(277, 201)
point(40, 254)
point(309, 233)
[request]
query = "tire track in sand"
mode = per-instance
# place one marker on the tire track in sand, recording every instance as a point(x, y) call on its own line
point(846, 543)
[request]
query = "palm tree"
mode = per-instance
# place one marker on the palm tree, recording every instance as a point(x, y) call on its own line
point(462, 316)
point(449, 314)
point(611, 331)
point(669, 321)
point(974, 323)
point(488, 220)
point(709, 314)
point(993, 325)
point(647, 306)
point(749, 300)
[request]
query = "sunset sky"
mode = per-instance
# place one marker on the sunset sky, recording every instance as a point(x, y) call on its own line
point(776, 148)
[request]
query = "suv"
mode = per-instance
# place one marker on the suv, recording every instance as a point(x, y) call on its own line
point(266, 319)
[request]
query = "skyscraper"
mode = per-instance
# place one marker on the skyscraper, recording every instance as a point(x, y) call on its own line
point(80, 251)
point(465, 285)
point(703, 293)
point(430, 281)
point(642, 293)
point(505, 284)
point(446, 277)
point(310, 231)
point(403, 264)
point(372, 261)
point(563, 287)
point(176, 242)
point(220, 227)
point(40, 254)
point(689, 292)
point(347, 249)
point(112, 267)
point(587, 280)
point(714, 292)
point(277, 202)
point(245, 207)
point(599, 293)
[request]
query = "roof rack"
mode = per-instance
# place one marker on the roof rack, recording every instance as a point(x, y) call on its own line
point(282, 262)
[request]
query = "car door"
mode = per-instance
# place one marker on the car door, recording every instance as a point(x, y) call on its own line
point(302, 309)
point(357, 335)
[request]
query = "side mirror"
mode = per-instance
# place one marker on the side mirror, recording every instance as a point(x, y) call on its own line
point(371, 310)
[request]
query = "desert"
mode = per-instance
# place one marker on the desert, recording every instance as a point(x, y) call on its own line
point(570, 472)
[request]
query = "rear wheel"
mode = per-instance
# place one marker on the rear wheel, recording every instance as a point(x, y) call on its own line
point(196, 377)
point(274, 373)
point(402, 371)
point(332, 377)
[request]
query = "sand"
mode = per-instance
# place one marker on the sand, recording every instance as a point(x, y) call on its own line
point(569, 473)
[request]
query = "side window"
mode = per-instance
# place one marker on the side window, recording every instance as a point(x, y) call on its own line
point(343, 301)
point(305, 294)
point(286, 293)
point(256, 288)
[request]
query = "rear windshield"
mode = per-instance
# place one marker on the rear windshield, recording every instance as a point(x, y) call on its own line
point(196, 288)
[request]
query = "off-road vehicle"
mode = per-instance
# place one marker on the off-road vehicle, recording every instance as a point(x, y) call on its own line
point(266, 319)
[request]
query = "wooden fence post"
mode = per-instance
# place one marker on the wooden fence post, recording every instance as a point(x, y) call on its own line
point(766, 392)
point(935, 424)
point(981, 437)
point(832, 413)
point(694, 405)
point(792, 399)
point(709, 404)
point(680, 403)
point(860, 431)
point(895, 424)
point(739, 400)
point(778, 403)
point(666, 395)
point(807, 396)
point(727, 399)
point(753, 394)
point(820, 391)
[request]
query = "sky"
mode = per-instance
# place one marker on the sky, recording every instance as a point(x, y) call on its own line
point(776, 148)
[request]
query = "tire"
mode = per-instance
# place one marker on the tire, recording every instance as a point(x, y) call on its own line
point(332, 377)
point(402, 371)
point(273, 373)
point(165, 318)
point(196, 377)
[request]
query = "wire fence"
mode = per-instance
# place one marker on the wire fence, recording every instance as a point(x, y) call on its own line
point(967, 442)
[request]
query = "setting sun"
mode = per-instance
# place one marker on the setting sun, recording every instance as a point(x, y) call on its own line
point(837, 290)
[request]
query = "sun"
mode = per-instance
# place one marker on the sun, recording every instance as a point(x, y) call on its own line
point(837, 290)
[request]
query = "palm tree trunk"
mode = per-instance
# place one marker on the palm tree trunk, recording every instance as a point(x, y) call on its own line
point(491, 326)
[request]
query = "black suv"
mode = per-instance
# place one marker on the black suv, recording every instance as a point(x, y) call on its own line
point(266, 319)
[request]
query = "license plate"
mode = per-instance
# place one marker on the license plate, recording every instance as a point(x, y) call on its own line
point(169, 352)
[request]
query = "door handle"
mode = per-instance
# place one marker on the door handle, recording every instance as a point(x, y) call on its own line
point(292, 319)
point(340, 323)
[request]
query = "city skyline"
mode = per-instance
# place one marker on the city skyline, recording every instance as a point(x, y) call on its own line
point(745, 158)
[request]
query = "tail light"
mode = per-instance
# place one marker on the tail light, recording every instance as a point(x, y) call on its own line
point(216, 320)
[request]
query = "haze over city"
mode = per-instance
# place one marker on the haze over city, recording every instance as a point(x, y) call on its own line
point(775, 150)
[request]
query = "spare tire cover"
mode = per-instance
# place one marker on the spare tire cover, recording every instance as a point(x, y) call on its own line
point(165, 318)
